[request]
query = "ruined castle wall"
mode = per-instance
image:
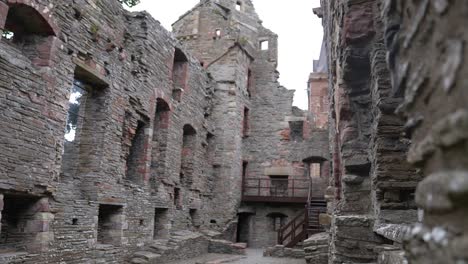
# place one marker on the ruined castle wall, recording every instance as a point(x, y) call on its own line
point(129, 58)
point(372, 182)
point(426, 41)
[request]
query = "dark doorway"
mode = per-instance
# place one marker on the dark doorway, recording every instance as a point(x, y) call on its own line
point(243, 227)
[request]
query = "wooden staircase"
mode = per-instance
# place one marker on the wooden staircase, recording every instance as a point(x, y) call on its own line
point(306, 223)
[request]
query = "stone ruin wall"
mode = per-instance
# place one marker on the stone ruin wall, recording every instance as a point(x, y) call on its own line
point(398, 130)
point(161, 143)
point(133, 118)
point(247, 77)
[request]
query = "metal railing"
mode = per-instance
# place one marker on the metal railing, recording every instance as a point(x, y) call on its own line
point(279, 189)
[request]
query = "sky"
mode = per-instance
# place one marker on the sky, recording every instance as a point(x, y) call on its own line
point(299, 35)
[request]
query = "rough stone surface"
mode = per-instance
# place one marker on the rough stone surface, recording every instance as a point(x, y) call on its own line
point(397, 71)
point(121, 141)
point(316, 248)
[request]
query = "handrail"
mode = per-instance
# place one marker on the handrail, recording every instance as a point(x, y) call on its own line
point(265, 187)
point(292, 232)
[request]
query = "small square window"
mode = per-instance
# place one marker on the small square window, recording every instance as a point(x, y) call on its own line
point(264, 45)
point(238, 6)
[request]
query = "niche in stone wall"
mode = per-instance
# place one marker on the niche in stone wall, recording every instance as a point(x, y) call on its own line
point(25, 219)
point(85, 112)
point(160, 135)
point(179, 74)
point(110, 223)
point(136, 159)
point(161, 222)
point(188, 154)
point(195, 218)
point(177, 198)
point(29, 31)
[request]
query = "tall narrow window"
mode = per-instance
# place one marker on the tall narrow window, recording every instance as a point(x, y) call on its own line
point(177, 198)
point(244, 176)
point(160, 134)
point(85, 112)
point(136, 160)
point(218, 33)
point(249, 82)
point(188, 154)
point(246, 123)
point(179, 74)
point(77, 102)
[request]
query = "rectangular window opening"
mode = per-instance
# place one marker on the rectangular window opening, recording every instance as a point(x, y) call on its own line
point(296, 129)
point(264, 45)
point(110, 224)
point(246, 123)
point(17, 216)
point(161, 221)
point(177, 198)
point(238, 6)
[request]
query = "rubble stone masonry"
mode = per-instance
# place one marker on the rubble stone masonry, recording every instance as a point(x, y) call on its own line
point(398, 130)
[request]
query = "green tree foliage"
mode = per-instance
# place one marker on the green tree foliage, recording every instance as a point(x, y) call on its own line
point(130, 3)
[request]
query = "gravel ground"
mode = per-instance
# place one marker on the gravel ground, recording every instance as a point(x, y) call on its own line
point(255, 256)
point(206, 258)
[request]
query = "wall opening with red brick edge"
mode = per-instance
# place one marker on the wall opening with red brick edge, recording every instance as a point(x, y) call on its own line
point(160, 136)
point(136, 159)
point(188, 155)
point(179, 74)
point(24, 219)
point(32, 33)
point(87, 98)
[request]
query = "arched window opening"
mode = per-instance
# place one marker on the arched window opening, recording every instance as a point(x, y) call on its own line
point(160, 134)
point(179, 74)
point(30, 32)
point(136, 159)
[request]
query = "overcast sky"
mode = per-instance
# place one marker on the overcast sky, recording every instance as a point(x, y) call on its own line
point(299, 30)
